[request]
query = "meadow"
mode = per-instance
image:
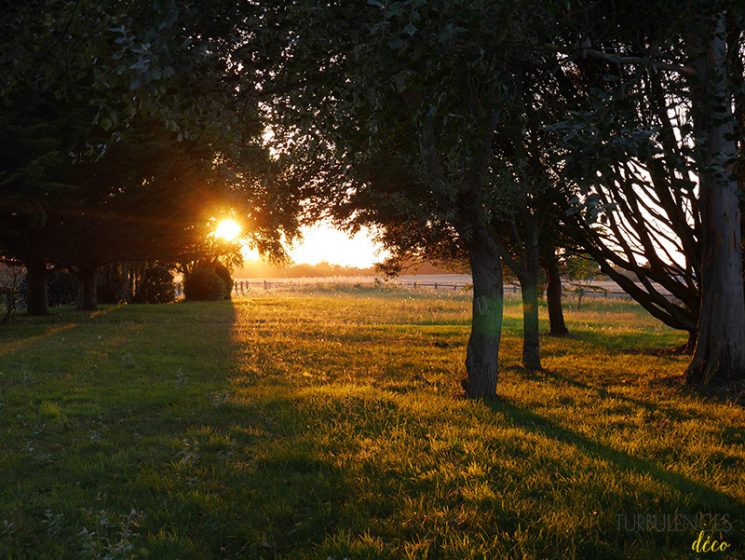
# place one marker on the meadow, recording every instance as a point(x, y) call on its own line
point(328, 423)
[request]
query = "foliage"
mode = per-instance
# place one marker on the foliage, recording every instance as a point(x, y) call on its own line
point(156, 286)
point(111, 284)
point(137, 118)
point(204, 284)
point(294, 420)
point(374, 73)
point(63, 288)
point(227, 279)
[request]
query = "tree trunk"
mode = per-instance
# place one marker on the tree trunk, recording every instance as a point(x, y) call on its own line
point(553, 298)
point(528, 277)
point(482, 358)
point(688, 348)
point(37, 296)
point(88, 297)
point(482, 354)
point(719, 357)
point(531, 340)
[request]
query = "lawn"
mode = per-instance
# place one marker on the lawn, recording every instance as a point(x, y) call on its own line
point(327, 424)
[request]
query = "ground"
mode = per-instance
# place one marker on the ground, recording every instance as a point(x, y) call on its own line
point(328, 424)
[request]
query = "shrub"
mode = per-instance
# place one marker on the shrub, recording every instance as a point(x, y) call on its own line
point(203, 284)
point(62, 288)
point(111, 284)
point(156, 286)
point(224, 273)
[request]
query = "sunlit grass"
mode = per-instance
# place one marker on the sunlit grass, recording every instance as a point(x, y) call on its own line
point(327, 423)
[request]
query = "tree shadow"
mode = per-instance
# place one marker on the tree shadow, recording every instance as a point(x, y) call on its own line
point(26, 331)
point(132, 431)
point(245, 477)
point(630, 342)
point(702, 495)
point(603, 393)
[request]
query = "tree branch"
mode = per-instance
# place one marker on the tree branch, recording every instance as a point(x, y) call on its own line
point(687, 71)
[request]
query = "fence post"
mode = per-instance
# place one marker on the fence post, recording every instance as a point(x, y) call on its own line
point(266, 285)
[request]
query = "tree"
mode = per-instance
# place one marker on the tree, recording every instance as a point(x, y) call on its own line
point(694, 47)
point(33, 172)
point(636, 212)
point(117, 129)
point(424, 86)
point(557, 325)
point(720, 351)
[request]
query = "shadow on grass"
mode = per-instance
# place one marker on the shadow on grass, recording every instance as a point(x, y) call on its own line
point(703, 496)
point(244, 476)
point(603, 393)
point(129, 437)
point(25, 331)
point(629, 342)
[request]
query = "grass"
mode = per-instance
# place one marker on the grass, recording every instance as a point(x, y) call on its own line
point(326, 424)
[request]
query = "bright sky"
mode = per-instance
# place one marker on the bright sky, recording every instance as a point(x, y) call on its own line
point(322, 242)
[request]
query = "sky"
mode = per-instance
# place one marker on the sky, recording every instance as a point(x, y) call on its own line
point(323, 242)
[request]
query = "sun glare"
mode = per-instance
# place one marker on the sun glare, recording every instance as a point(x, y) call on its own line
point(228, 230)
point(323, 242)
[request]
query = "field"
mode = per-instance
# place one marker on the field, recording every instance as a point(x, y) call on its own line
point(327, 424)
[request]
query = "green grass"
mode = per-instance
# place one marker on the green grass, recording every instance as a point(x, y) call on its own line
point(327, 424)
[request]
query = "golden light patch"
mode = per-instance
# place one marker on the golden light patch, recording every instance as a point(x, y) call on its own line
point(228, 230)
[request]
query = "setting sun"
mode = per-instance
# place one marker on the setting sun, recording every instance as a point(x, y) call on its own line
point(228, 230)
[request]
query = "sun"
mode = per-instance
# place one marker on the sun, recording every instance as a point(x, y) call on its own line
point(227, 230)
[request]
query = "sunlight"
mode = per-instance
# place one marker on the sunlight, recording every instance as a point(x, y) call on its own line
point(250, 254)
point(227, 230)
point(323, 242)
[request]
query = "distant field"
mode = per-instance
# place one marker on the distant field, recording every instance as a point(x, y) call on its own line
point(589, 288)
point(325, 423)
point(370, 279)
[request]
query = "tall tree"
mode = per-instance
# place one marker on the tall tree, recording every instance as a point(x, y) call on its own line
point(694, 48)
point(637, 212)
point(81, 183)
point(720, 350)
point(425, 84)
